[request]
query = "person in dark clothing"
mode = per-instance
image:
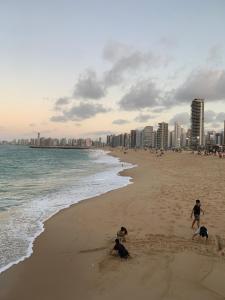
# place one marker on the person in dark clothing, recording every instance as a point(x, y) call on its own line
point(196, 211)
point(202, 231)
point(121, 250)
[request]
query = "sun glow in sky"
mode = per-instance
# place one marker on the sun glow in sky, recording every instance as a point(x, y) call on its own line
point(87, 68)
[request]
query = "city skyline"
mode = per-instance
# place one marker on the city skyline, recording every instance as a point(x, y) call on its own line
point(83, 69)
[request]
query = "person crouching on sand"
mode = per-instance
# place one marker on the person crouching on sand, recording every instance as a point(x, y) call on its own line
point(196, 211)
point(120, 250)
point(121, 234)
point(202, 231)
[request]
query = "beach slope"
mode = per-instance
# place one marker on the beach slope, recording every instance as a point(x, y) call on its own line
point(71, 258)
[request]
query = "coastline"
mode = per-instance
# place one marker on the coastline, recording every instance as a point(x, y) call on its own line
point(71, 261)
point(112, 170)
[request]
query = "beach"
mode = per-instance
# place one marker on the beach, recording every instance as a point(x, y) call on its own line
point(71, 257)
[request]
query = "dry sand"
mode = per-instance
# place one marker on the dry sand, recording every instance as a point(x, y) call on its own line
point(71, 258)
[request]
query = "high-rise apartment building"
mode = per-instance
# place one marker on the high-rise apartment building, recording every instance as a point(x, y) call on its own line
point(138, 139)
point(197, 123)
point(162, 136)
point(224, 133)
point(133, 138)
point(147, 136)
point(177, 135)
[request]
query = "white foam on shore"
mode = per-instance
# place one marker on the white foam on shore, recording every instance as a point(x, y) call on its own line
point(27, 221)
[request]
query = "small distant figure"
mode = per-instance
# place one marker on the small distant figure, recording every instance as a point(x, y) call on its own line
point(202, 231)
point(196, 211)
point(121, 234)
point(120, 249)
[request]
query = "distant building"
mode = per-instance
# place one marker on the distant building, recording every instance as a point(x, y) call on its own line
point(133, 138)
point(126, 140)
point(38, 139)
point(219, 138)
point(197, 123)
point(162, 136)
point(224, 133)
point(147, 135)
point(177, 135)
point(188, 138)
point(171, 141)
point(138, 138)
point(154, 139)
point(183, 138)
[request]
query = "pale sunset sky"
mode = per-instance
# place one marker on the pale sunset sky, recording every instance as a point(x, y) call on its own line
point(72, 68)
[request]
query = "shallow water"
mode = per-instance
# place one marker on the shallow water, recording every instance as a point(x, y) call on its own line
point(37, 183)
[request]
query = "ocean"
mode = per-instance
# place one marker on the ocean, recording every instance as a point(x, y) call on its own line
point(37, 183)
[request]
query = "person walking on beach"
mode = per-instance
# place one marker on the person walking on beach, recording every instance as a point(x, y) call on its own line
point(196, 211)
point(120, 249)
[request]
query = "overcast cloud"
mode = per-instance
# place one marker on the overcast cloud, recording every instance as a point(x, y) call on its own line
point(88, 86)
point(142, 118)
point(213, 117)
point(182, 118)
point(204, 83)
point(142, 95)
point(80, 112)
point(131, 62)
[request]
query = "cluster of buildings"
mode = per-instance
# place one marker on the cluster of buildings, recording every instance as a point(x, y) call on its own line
point(55, 142)
point(161, 138)
point(63, 142)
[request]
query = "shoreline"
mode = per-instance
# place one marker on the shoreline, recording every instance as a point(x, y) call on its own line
point(30, 250)
point(86, 249)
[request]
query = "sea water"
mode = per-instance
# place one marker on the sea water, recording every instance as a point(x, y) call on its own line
point(37, 183)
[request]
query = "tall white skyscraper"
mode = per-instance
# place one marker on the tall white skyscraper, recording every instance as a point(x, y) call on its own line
point(177, 135)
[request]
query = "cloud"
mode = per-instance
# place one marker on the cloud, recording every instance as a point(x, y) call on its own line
point(213, 117)
point(120, 122)
point(62, 101)
point(216, 125)
point(159, 109)
point(143, 118)
point(124, 59)
point(89, 87)
point(113, 51)
point(204, 83)
point(182, 118)
point(80, 112)
point(143, 95)
point(220, 117)
point(210, 116)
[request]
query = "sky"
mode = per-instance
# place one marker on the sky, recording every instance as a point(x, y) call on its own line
point(72, 68)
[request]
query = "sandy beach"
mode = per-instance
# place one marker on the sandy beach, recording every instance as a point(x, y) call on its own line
point(71, 258)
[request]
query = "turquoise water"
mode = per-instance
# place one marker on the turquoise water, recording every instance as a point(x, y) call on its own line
point(37, 183)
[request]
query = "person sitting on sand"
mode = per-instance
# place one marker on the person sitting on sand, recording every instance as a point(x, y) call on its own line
point(121, 234)
point(120, 249)
point(196, 211)
point(202, 231)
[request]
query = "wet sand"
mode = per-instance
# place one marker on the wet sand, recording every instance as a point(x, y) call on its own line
point(71, 258)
